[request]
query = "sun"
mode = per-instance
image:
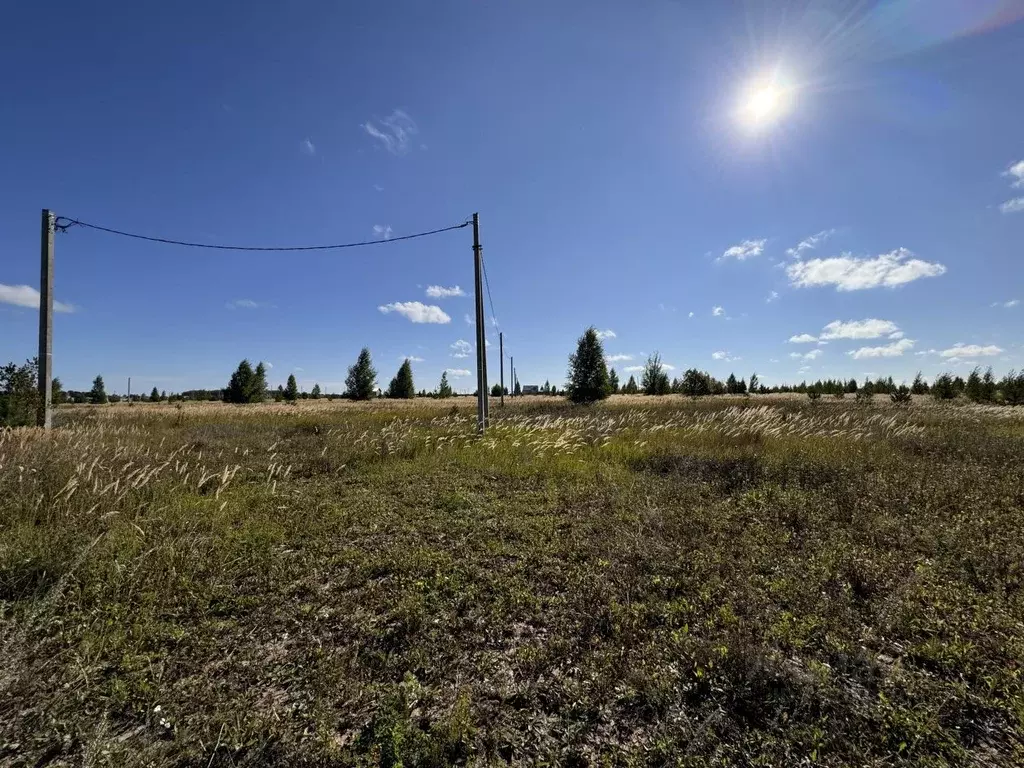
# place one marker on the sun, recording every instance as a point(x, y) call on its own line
point(764, 102)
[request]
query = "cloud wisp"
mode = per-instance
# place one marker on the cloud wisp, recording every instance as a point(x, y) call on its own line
point(608, 334)
point(248, 304)
point(461, 348)
point(394, 132)
point(960, 350)
point(440, 292)
point(745, 250)
point(27, 296)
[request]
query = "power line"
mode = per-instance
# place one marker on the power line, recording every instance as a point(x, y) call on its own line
point(494, 315)
point(62, 223)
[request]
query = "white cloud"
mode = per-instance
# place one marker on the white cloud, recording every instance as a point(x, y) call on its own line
point(456, 372)
point(382, 231)
point(810, 243)
point(927, 352)
point(378, 188)
point(721, 355)
point(1016, 205)
point(896, 335)
point(959, 350)
point(668, 367)
point(440, 292)
point(469, 320)
point(896, 349)
point(308, 147)
point(609, 334)
point(771, 297)
point(268, 364)
point(802, 338)
point(247, 304)
point(633, 368)
point(617, 358)
point(461, 348)
point(412, 358)
point(298, 370)
point(859, 329)
point(690, 315)
point(717, 311)
point(416, 311)
point(27, 296)
point(852, 273)
point(745, 250)
point(394, 132)
point(1016, 172)
point(814, 354)
point(1011, 303)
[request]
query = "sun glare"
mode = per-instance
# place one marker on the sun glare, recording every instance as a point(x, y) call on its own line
point(763, 103)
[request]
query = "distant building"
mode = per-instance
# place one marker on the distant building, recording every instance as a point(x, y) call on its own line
point(531, 389)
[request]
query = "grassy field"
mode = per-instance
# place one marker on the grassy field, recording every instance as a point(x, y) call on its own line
point(651, 581)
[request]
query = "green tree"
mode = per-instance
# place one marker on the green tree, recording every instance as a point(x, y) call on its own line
point(920, 386)
point(943, 387)
point(402, 386)
point(613, 381)
point(518, 390)
point(444, 389)
point(696, 383)
point(973, 389)
point(154, 396)
point(752, 387)
point(57, 393)
point(901, 395)
point(257, 391)
point(1012, 387)
point(588, 373)
point(315, 392)
point(291, 389)
point(732, 387)
point(361, 382)
point(631, 388)
point(654, 380)
point(98, 393)
point(19, 394)
point(237, 390)
point(988, 386)
point(496, 390)
point(851, 386)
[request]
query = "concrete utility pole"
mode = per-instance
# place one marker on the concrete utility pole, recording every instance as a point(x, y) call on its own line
point(501, 355)
point(481, 334)
point(44, 416)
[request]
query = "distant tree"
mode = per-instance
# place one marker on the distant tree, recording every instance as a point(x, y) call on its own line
point(864, 396)
point(813, 394)
point(959, 385)
point(238, 388)
point(654, 380)
point(57, 394)
point(920, 386)
point(291, 389)
point(943, 388)
point(154, 396)
point(444, 389)
point(867, 387)
point(19, 394)
point(973, 388)
point(361, 382)
point(613, 382)
point(631, 388)
point(988, 386)
point(315, 392)
point(518, 390)
point(401, 385)
point(754, 382)
point(98, 393)
point(901, 395)
point(588, 372)
point(163, 394)
point(279, 394)
point(741, 387)
point(257, 391)
point(496, 390)
point(732, 387)
point(851, 386)
point(1012, 388)
point(696, 383)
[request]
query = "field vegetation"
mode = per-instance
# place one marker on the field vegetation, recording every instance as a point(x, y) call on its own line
point(763, 580)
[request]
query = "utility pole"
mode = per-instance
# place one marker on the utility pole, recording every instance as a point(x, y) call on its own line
point(512, 373)
point(129, 390)
point(501, 355)
point(44, 416)
point(481, 335)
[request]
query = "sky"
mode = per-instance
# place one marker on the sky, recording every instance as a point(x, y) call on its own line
point(797, 189)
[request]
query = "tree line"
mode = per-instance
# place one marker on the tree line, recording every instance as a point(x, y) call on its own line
point(589, 380)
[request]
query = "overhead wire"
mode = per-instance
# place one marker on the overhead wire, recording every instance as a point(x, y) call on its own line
point(63, 223)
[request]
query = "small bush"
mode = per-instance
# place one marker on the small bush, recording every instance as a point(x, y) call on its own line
point(901, 395)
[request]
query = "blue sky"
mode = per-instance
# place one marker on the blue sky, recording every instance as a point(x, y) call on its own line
point(619, 182)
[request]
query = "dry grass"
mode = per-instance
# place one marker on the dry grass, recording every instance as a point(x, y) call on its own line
point(649, 581)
